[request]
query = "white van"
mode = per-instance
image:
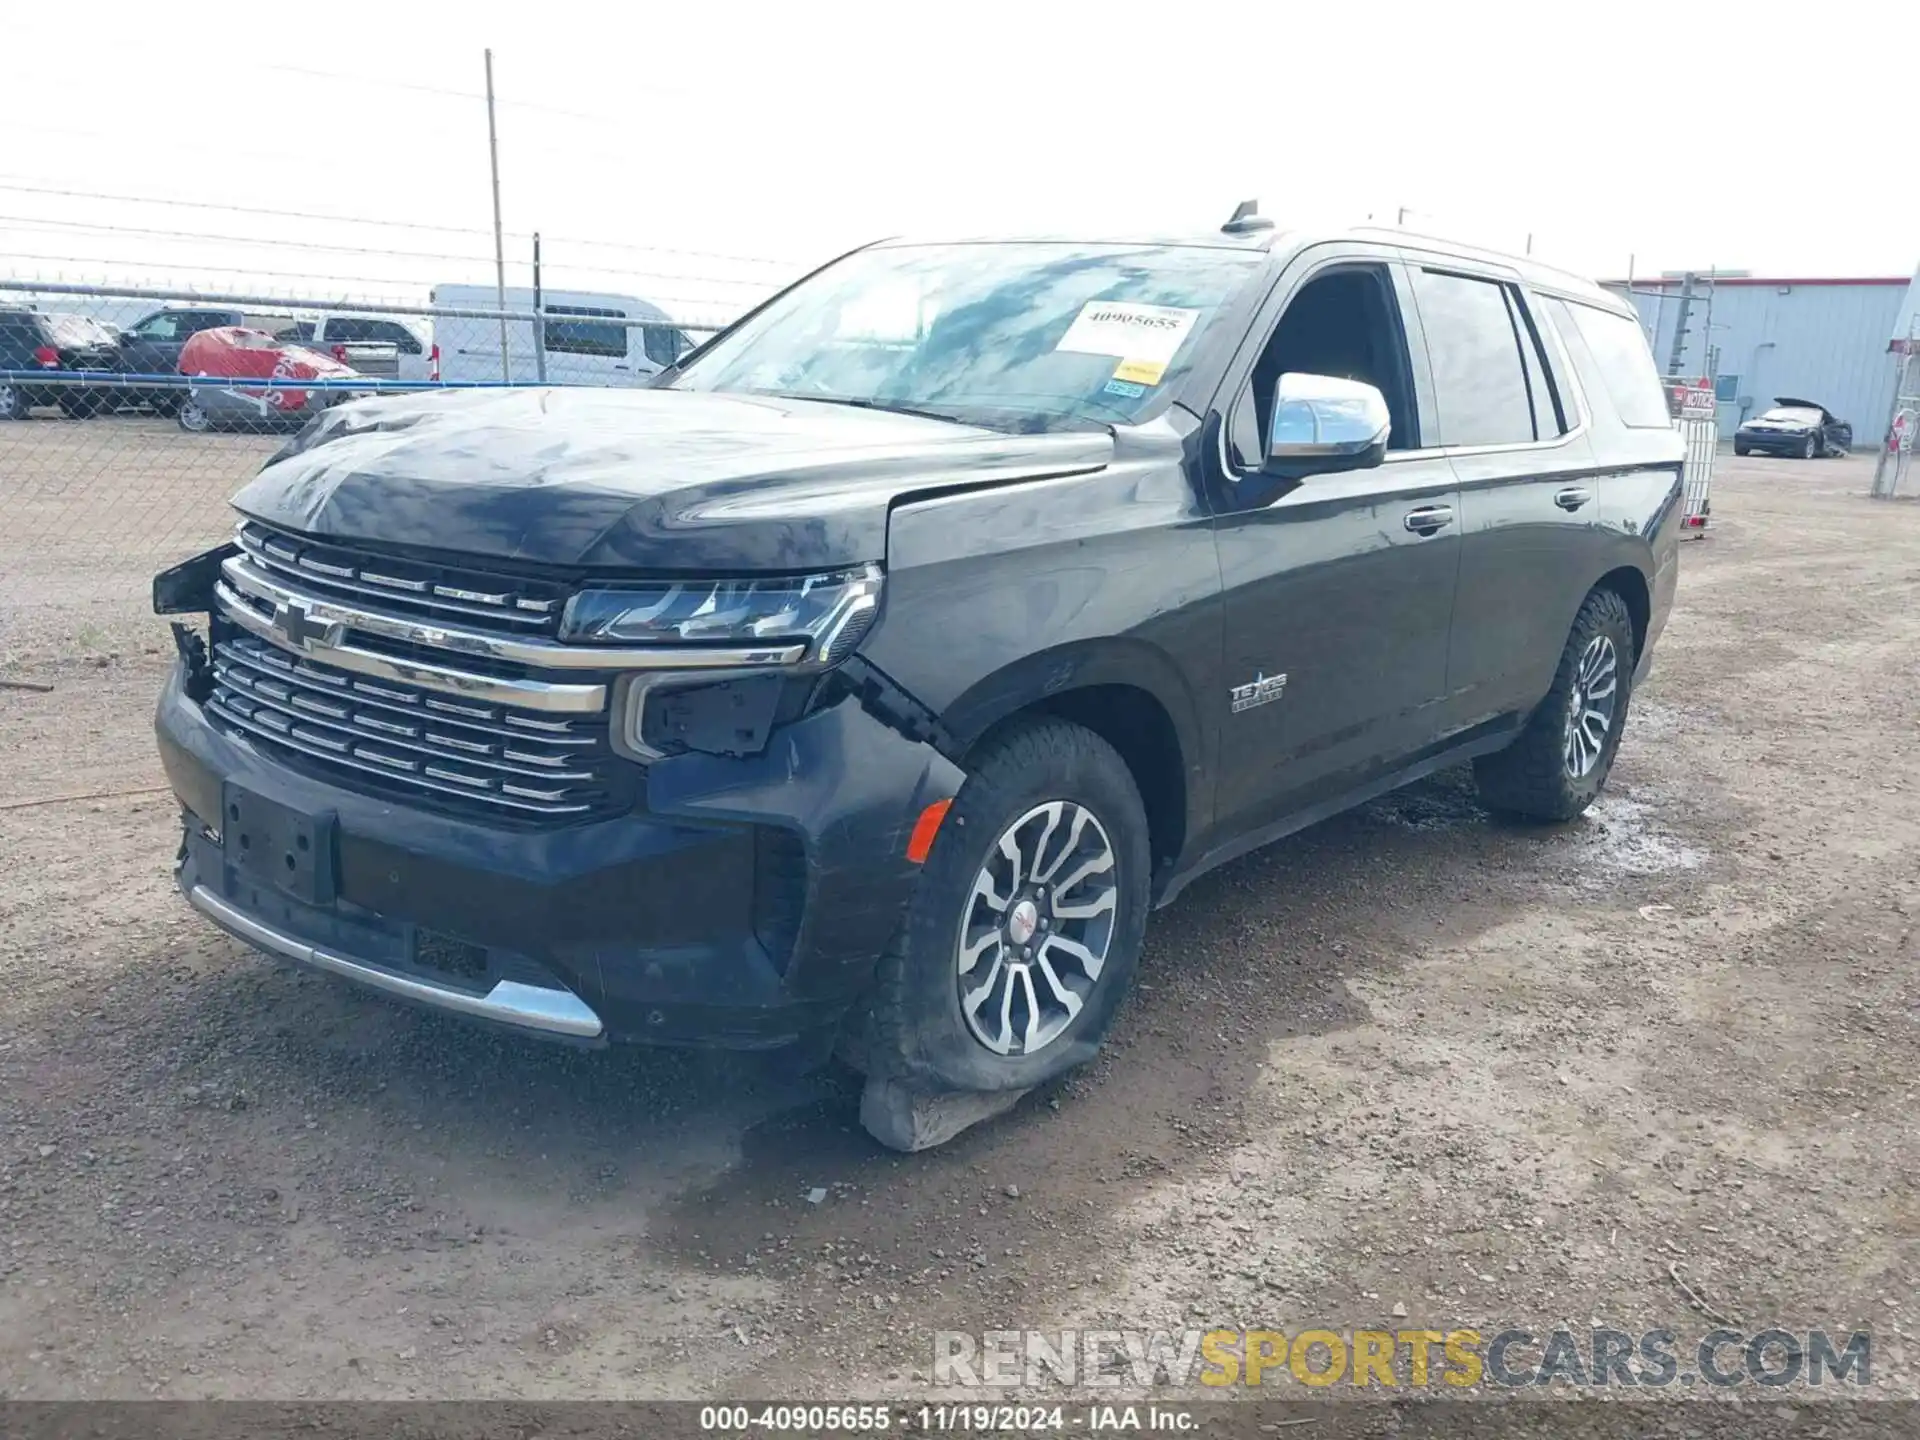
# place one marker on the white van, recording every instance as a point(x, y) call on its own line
point(588, 338)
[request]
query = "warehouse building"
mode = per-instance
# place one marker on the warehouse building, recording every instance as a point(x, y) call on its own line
point(1823, 340)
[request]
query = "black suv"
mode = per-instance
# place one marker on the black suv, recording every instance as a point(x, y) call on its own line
point(40, 354)
point(885, 665)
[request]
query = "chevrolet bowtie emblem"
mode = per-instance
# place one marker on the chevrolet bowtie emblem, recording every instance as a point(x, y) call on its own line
point(295, 623)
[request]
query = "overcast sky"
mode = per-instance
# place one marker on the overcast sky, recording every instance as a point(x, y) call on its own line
point(789, 131)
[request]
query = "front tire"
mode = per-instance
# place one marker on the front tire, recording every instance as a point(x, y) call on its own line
point(1811, 449)
point(1561, 761)
point(192, 416)
point(1740, 449)
point(1025, 929)
point(13, 401)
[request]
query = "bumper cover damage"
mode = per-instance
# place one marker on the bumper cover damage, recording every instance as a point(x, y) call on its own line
point(742, 905)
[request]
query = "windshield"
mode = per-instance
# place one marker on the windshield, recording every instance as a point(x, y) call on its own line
point(1793, 415)
point(1016, 336)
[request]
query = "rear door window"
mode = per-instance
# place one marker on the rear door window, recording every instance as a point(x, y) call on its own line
point(1618, 349)
point(1479, 378)
point(19, 335)
point(391, 332)
point(1549, 413)
point(588, 335)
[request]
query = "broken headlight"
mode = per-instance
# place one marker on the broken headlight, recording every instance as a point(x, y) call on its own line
point(826, 613)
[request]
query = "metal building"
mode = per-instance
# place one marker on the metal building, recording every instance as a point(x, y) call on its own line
point(1823, 340)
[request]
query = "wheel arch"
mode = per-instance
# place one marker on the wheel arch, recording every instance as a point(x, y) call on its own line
point(1125, 691)
point(1630, 584)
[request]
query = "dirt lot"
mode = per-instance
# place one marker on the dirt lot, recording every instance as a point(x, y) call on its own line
point(1411, 1063)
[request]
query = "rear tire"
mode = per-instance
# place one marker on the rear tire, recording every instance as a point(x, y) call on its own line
point(1561, 761)
point(1025, 928)
point(192, 416)
point(13, 402)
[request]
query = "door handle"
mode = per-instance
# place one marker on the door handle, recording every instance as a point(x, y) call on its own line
point(1572, 498)
point(1429, 518)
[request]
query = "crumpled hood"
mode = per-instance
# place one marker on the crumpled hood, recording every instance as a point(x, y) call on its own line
point(640, 479)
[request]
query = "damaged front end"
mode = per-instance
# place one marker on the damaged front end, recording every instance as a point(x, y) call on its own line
point(597, 819)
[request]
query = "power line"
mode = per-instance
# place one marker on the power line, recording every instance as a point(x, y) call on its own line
point(10, 183)
point(41, 223)
point(445, 92)
point(295, 301)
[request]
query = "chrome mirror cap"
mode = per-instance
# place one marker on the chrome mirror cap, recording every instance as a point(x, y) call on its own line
point(1326, 417)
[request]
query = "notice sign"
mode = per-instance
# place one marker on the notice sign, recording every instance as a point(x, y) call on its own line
point(1690, 399)
point(1143, 338)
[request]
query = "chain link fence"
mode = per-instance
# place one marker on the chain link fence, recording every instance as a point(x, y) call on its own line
point(1893, 468)
point(129, 416)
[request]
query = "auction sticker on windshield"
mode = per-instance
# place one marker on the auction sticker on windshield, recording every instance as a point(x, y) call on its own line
point(1144, 338)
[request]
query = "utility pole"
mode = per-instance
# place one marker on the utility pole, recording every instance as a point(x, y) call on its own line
point(1678, 352)
point(499, 237)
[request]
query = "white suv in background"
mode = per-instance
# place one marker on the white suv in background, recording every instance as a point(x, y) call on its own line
point(332, 333)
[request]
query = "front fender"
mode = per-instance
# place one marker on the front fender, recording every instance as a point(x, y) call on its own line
point(997, 601)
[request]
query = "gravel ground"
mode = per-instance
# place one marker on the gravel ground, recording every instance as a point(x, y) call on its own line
point(1411, 1063)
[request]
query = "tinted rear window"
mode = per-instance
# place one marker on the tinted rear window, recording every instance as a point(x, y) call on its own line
point(1620, 354)
point(584, 337)
point(1479, 378)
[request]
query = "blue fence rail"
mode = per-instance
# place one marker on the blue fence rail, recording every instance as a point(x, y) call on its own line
point(365, 384)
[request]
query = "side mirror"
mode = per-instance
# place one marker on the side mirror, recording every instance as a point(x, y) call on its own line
point(1323, 424)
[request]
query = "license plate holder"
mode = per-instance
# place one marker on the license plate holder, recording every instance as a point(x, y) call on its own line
point(277, 845)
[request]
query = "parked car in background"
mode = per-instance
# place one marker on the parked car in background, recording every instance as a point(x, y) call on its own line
point(152, 345)
point(587, 338)
point(32, 340)
point(357, 340)
point(234, 353)
point(1794, 427)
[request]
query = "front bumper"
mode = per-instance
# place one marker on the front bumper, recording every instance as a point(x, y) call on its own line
point(744, 907)
point(1773, 441)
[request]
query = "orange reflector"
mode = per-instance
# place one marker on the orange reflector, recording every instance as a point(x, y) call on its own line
point(924, 829)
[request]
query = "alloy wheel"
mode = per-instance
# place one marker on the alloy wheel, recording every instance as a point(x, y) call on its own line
point(193, 416)
point(1591, 706)
point(1036, 927)
point(12, 403)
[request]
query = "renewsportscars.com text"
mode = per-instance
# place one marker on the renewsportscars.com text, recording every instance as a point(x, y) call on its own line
point(1395, 1359)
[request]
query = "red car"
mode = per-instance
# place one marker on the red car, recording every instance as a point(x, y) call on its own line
point(234, 353)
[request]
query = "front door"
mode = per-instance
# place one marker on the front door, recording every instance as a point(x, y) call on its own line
point(1338, 589)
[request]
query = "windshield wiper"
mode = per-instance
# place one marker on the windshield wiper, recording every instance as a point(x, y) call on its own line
point(862, 404)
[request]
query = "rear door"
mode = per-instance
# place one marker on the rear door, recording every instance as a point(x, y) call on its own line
point(1529, 498)
point(1338, 589)
point(19, 338)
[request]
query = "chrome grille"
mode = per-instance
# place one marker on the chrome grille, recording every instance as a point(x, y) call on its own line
point(512, 604)
point(417, 741)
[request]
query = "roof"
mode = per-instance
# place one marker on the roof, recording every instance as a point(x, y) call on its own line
point(1668, 282)
point(1282, 238)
